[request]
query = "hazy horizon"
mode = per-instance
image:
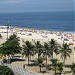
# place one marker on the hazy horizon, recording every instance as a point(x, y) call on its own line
point(22, 6)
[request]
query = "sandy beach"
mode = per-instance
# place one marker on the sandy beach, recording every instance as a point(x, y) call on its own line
point(42, 36)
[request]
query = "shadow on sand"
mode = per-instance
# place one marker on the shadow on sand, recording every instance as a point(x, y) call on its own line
point(15, 60)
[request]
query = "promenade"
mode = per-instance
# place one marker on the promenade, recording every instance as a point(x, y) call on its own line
point(17, 73)
point(20, 71)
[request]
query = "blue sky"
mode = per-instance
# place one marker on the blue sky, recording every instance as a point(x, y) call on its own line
point(36, 5)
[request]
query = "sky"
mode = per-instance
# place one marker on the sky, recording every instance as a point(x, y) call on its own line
point(36, 5)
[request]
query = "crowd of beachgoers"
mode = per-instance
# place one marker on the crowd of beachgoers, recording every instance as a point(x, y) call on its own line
point(39, 35)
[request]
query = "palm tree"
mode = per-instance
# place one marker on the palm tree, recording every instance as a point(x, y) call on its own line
point(54, 65)
point(27, 49)
point(65, 51)
point(39, 48)
point(54, 46)
point(40, 62)
point(57, 66)
point(60, 67)
point(46, 52)
point(73, 68)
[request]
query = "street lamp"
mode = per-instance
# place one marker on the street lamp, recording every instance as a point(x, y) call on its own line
point(7, 27)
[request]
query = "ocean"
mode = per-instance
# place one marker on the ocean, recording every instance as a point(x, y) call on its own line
point(56, 21)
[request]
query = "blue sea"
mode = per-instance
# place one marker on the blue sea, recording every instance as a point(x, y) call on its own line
point(57, 21)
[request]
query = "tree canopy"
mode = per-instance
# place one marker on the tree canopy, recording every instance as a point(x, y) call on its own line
point(6, 71)
point(11, 46)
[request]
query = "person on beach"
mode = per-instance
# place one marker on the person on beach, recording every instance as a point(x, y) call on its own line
point(24, 67)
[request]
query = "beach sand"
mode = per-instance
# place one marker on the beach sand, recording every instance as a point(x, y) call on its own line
point(42, 36)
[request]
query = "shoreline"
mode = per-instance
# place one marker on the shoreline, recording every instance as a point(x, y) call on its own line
point(52, 30)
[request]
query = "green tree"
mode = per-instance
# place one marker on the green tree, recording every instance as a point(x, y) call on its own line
point(60, 67)
point(15, 45)
point(54, 65)
point(65, 51)
point(40, 62)
point(39, 48)
point(46, 52)
point(11, 46)
point(6, 71)
point(28, 49)
point(73, 68)
point(54, 46)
